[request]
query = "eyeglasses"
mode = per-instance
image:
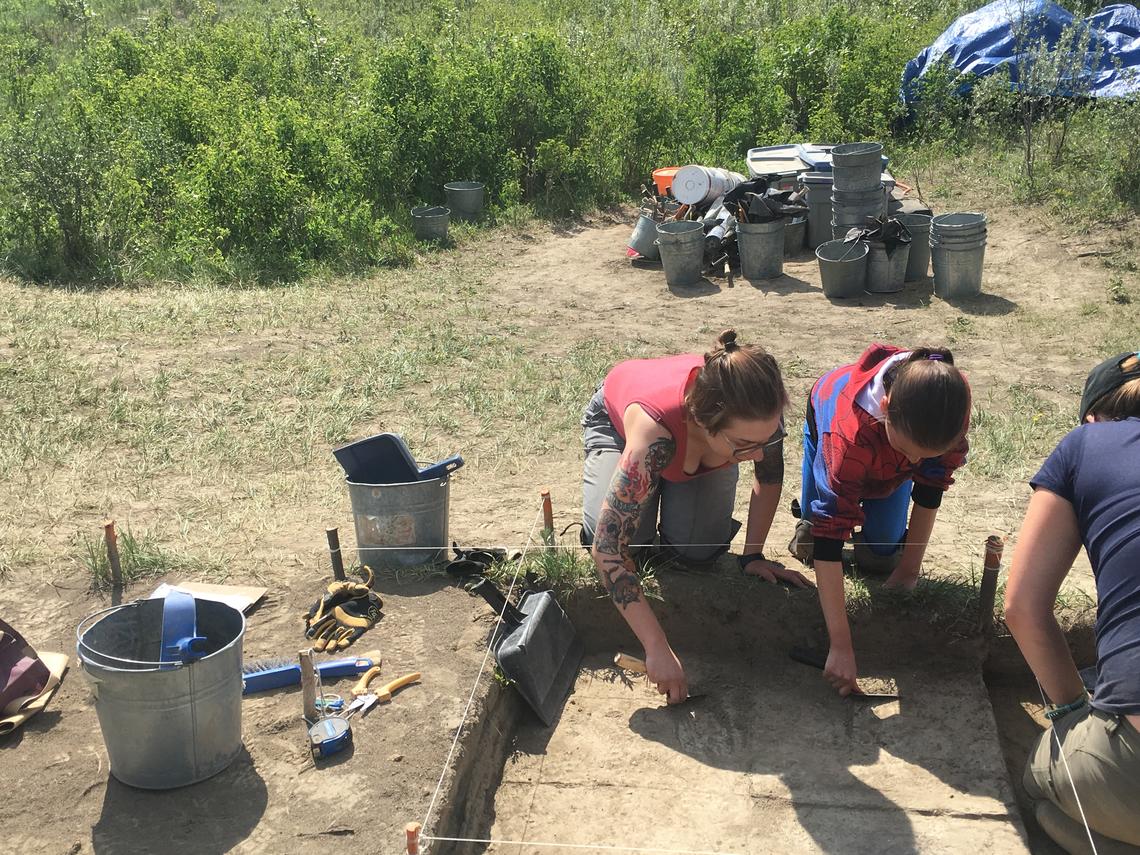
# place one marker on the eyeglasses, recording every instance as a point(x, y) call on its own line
point(739, 450)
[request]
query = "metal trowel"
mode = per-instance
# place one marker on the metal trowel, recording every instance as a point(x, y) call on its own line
point(637, 666)
point(880, 690)
point(536, 645)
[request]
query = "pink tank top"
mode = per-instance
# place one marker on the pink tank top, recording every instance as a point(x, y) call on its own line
point(658, 386)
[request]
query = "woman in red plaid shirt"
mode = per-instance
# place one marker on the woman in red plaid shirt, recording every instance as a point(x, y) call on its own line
point(879, 433)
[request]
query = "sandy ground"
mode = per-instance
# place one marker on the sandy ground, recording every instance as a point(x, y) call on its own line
point(769, 758)
point(576, 280)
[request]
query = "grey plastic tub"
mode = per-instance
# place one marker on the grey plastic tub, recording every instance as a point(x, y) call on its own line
point(761, 248)
point(794, 232)
point(465, 199)
point(400, 525)
point(643, 239)
point(886, 273)
point(429, 222)
point(842, 267)
point(164, 724)
point(918, 261)
point(857, 166)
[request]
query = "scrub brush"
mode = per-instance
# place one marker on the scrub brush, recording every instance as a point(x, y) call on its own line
point(268, 674)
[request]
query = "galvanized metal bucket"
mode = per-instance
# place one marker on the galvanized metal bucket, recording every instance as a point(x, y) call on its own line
point(918, 261)
point(164, 724)
point(400, 525)
point(761, 248)
point(642, 241)
point(958, 268)
point(842, 267)
point(857, 166)
point(851, 208)
point(958, 224)
point(465, 199)
point(429, 222)
point(794, 231)
point(818, 186)
point(957, 253)
point(886, 273)
point(682, 247)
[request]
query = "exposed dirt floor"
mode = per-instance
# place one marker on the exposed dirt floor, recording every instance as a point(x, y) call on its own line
point(771, 761)
point(769, 758)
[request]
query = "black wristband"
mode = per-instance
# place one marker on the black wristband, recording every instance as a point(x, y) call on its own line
point(827, 549)
point(745, 560)
point(926, 496)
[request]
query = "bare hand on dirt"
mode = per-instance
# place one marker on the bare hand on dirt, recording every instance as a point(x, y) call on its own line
point(663, 669)
point(840, 670)
point(775, 572)
point(902, 578)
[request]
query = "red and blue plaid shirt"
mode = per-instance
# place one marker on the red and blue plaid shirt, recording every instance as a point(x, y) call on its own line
point(853, 460)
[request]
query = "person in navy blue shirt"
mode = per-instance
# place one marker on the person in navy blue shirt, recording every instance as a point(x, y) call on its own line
point(1084, 772)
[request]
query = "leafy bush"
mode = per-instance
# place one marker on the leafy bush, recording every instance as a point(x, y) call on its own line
point(182, 141)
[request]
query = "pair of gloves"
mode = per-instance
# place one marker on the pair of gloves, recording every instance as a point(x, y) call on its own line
point(343, 614)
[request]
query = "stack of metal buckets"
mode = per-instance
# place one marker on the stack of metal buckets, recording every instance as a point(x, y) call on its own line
point(957, 252)
point(857, 191)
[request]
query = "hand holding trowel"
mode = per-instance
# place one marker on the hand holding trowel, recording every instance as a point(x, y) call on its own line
point(637, 666)
point(881, 690)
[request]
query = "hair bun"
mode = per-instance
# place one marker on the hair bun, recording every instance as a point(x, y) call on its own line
point(727, 340)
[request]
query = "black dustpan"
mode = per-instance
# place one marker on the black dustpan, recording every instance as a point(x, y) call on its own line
point(537, 647)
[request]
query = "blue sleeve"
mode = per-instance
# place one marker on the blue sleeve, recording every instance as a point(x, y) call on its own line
point(1057, 472)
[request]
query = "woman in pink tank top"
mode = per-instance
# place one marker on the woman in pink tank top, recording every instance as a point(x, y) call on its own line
point(663, 440)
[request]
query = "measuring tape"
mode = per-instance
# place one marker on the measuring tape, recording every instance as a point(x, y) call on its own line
point(329, 736)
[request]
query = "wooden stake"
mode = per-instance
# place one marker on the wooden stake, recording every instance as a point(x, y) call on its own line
point(333, 537)
point(987, 593)
point(412, 831)
point(308, 684)
point(112, 540)
point(547, 519)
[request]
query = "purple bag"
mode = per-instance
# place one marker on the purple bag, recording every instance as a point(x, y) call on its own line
point(22, 674)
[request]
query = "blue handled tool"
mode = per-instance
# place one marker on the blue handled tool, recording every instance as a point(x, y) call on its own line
point(181, 643)
point(279, 673)
point(444, 467)
point(385, 459)
point(329, 736)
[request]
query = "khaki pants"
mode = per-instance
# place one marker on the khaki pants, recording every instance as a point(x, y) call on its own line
point(1103, 753)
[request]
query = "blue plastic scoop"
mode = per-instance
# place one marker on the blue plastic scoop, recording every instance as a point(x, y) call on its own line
point(385, 459)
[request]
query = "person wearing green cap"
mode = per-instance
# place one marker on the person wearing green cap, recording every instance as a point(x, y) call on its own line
point(1084, 772)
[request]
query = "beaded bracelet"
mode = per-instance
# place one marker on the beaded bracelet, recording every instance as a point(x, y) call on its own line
point(1057, 712)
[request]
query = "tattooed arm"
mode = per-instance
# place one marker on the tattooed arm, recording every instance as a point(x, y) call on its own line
point(649, 449)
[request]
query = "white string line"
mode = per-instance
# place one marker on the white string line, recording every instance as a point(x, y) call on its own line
point(593, 846)
point(575, 546)
point(479, 676)
point(1065, 762)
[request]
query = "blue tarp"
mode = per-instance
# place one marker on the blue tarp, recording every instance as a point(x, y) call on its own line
point(1001, 34)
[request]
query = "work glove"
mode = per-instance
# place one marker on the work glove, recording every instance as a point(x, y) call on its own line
point(342, 615)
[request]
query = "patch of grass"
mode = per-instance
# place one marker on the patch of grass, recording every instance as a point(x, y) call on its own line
point(959, 329)
point(140, 557)
point(1009, 439)
point(563, 569)
point(1117, 293)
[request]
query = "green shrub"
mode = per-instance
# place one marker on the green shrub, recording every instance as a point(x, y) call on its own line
point(154, 140)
